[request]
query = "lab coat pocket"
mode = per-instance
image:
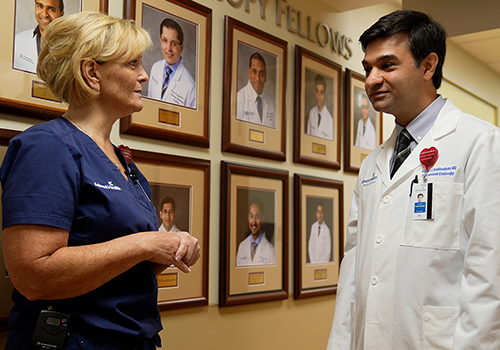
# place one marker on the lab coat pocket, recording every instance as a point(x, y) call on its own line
point(443, 231)
point(439, 325)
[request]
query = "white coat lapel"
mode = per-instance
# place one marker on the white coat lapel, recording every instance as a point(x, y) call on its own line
point(383, 159)
point(446, 123)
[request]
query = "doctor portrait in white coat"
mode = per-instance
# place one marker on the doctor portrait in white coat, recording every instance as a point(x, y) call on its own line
point(167, 215)
point(252, 103)
point(320, 122)
point(256, 248)
point(27, 43)
point(408, 282)
point(170, 80)
point(320, 241)
point(366, 137)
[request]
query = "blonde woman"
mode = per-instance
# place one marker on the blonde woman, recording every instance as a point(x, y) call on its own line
point(80, 232)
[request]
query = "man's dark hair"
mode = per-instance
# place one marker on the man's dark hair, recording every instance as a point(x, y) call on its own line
point(258, 202)
point(167, 200)
point(258, 56)
point(170, 23)
point(320, 80)
point(424, 36)
point(61, 5)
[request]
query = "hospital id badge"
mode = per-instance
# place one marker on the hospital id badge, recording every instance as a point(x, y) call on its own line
point(422, 199)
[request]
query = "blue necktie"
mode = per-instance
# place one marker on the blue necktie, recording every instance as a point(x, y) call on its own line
point(166, 77)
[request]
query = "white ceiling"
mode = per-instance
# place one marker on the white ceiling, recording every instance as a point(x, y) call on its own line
point(473, 25)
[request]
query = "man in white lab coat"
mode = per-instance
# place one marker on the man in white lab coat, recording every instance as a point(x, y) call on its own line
point(167, 215)
point(170, 81)
point(256, 248)
point(414, 279)
point(27, 43)
point(366, 136)
point(320, 122)
point(252, 104)
point(320, 241)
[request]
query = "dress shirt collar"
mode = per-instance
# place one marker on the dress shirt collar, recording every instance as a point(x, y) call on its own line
point(258, 239)
point(173, 67)
point(420, 126)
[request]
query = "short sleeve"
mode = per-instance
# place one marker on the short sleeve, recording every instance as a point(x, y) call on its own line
point(40, 180)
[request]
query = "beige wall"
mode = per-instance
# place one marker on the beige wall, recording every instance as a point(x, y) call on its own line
point(287, 324)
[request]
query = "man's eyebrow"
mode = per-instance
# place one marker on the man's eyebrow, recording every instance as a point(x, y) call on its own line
point(382, 58)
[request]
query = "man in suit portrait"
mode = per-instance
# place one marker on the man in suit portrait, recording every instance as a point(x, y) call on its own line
point(27, 43)
point(253, 104)
point(170, 81)
point(255, 249)
point(320, 121)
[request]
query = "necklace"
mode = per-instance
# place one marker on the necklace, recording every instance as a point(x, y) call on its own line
point(92, 137)
point(85, 131)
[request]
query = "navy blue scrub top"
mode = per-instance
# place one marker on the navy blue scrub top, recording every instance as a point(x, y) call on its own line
point(53, 174)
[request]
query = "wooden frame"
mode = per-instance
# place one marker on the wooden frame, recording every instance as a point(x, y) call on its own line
point(25, 94)
point(316, 270)
point(248, 193)
point(358, 146)
point(5, 283)
point(243, 131)
point(188, 181)
point(316, 143)
point(182, 114)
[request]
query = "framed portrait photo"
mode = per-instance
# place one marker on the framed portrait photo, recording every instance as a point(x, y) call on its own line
point(254, 235)
point(363, 125)
point(6, 286)
point(318, 235)
point(254, 92)
point(25, 93)
point(176, 97)
point(316, 110)
point(180, 191)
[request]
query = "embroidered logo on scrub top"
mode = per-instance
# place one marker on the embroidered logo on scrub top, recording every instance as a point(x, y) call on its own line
point(108, 186)
point(369, 181)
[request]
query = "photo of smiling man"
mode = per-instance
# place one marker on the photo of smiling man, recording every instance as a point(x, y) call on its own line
point(256, 249)
point(255, 102)
point(170, 80)
point(27, 42)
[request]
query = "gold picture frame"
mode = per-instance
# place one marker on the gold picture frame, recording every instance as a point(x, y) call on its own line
point(249, 193)
point(187, 180)
point(180, 115)
point(359, 143)
point(243, 130)
point(316, 140)
point(319, 203)
point(25, 94)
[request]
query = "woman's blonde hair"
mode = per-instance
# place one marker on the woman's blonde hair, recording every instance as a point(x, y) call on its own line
point(69, 40)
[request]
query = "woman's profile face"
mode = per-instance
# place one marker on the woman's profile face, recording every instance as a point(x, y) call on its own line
point(121, 85)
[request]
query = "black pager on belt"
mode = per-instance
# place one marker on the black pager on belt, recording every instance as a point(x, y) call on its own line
point(51, 331)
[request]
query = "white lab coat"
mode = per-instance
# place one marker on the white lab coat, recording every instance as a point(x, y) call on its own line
point(369, 139)
point(325, 127)
point(25, 51)
point(246, 107)
point(264, 255)
point(173, 229)
point(320, 246)
point(181, 89)
point(435, 284)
